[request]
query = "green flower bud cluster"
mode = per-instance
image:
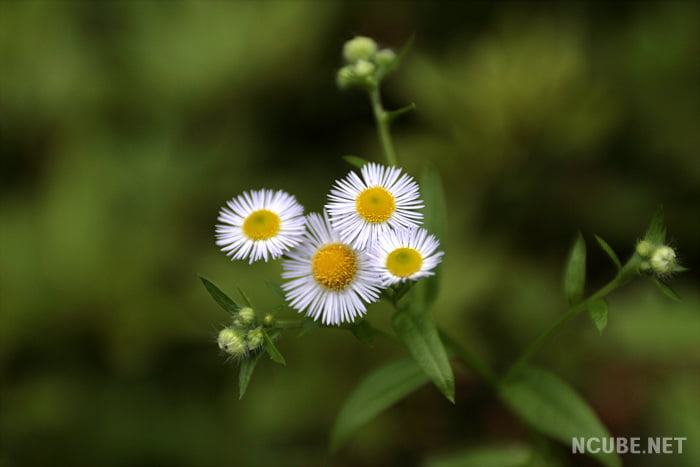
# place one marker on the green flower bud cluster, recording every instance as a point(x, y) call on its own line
point(365, 63)
point(659, 260)
point(244, 335)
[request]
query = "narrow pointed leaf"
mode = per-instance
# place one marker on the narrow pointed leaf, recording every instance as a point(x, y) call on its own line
point(355, 161)
point(553, 408)
point(656, 232)
point(224, 301)
point(364, 332)
point(307, 327)
point(245, 373)
point(277, 289)
point(608, 249)
point(376, 393)
point(418, 332)
point(385, 70)
point(575, 273)
point(248, 365)
point(667, 290)
point(272, 351)
point(245, 297)
point(392, 115)
point(598, 311)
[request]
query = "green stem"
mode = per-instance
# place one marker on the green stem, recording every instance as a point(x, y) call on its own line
point(382, 118)
point(625, 275)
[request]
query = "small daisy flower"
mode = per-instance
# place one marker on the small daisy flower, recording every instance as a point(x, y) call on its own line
point(405, 254)
point(330, 279)
point(363, 208)
point(260, 224)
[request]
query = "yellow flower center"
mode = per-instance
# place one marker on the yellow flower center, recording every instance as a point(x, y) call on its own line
point(375, 204)
point(334, 266)
point(261, 225)
point(403, 262)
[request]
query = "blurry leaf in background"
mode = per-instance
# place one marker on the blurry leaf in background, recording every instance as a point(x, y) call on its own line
point(550, 406)
point(376, 393)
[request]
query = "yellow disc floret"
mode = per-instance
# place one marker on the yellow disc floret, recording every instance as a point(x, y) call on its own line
point(403, 262)
point(261, 225)
point(375, 204)
point(334, 266)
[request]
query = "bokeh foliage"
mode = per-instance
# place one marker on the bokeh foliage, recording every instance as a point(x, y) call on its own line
point(125, 126)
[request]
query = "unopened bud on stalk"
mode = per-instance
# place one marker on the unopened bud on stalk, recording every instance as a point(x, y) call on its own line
point(246, 316)
point(232, 342)
point(359, 48)
point(255, 338)
point(645, 248)
point(384, 57)
point(663, 260)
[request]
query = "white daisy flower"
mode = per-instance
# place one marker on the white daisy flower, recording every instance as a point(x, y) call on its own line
point(405, 254)
point(362, 209)
point(330, 279)
point(260, 224)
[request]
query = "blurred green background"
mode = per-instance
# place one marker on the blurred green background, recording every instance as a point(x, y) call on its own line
point(126, 125)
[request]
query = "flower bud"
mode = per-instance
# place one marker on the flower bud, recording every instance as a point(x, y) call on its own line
point(255, 338)
point(644, 267)
point(246, 316)
point(384, 57)
point(232, 342)
point(359, 48)
point(345, 77)
point(663, 260)
point(645, 248)
point(268, 320)
point(363, 69)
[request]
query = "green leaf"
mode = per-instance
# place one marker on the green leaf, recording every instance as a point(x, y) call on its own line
point(277, 289)
point(552, 407)
point(385, 70)
point(224, 301)
point(426, 290)
point(272, 351)
point(667, 290)
point(248, 365)
point(504, 455)
point(376, 393)
point(245, 372)
point(308, 326)
point(363, 331)
point(598, 311)
point(575, 273)
point(355, 161)
point(392, 115)
point(246, 299)
point(418, 332)
point(656, 232)
point(608, 249)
